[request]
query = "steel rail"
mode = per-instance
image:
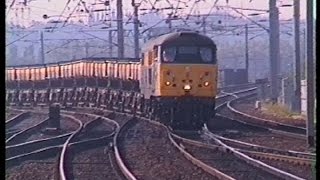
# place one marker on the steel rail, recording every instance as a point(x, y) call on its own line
point(267, 149)
point(214, 172)
point(51, 150)
point(265, 121)
point(52, 147)
point(271, 156)
point(62, 173)
point(30, 146)
point(22, 148)
point(280, 132)
point(124, 169)
point(28, 130)
point(18, 117)
point(254, 162)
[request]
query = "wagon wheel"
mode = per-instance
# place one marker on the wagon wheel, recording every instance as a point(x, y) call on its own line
point(153, 109)
point(16, 96)
point(165, 114)
point(141, 105)
point(146, 108)
point(47, 96)
point(39, 97)
point(98, 100)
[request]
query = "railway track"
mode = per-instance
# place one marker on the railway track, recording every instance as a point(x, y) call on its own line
point(14, 119)
point(265, 154)
point(237, 88)
point(80, 145)
point(296, 163)
point(263, 122)
point(36, 137)
point(149, 154)
point(228, 125)
point(11, 114)
point(248, 106)
point(214, 173)
point(85, 141)
point(36, 148)
point(225, 162)
point(25, 128)
point(212, 152)
point(227, 102)
point(129, 173)
point(224, 97)
point(264, 171)
point(75, 158)
point(264, 149)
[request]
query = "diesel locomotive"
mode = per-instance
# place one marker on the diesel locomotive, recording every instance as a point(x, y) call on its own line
point(175, 81)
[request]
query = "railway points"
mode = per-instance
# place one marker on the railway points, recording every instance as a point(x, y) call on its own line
point(274, 158)
point(255, 132)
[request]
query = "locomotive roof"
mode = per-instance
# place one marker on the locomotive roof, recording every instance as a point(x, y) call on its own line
point(179, 38)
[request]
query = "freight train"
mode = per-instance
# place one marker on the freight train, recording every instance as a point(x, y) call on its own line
point(175, 81)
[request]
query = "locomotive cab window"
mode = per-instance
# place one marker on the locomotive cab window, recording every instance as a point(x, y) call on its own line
point(155, 53)
point(169, 54)
point(188, 54)
point(206, 54)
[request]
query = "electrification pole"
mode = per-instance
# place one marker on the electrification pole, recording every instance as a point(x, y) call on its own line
point(110, 44)
point(296, 106)
point(247, 53)
point(87, 49)
point(136, 28)
point(310, 75)
point(304, 74)
point(120, 29)
point(169, 22)
point(204, 26)
point(274, 50)
point(42, 48)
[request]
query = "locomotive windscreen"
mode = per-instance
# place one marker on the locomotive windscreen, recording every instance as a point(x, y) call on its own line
point(188, 54)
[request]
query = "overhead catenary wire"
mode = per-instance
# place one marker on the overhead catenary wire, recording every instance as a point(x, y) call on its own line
point(76, 6)
point(61, 46)
point(155, 3)
point(10, 7)
point(20, 38)
point(251, 20)
point(61, 14)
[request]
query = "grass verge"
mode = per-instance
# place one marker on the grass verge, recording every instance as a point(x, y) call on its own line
point(278, 110)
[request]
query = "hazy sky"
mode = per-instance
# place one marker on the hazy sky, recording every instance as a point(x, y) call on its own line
point(55, 7)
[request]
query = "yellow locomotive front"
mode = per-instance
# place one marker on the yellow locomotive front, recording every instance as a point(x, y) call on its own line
point(177, 80)
point(179, 77)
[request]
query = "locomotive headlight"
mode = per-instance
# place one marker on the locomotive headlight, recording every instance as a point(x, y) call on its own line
point(206, 83)
point(168, 83)
point(187, 87)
